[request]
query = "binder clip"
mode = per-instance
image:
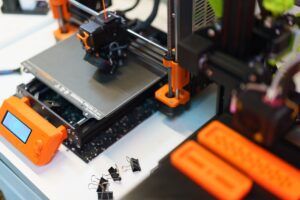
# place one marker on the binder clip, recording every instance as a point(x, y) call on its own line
point(114, 173)
point(102, 190)
point(101, 186)
point(134, 165)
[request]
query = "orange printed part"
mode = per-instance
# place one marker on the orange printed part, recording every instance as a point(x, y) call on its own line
point(55, 5)
point(161, 95)
point(210, 172)
point(44, 139)
point(269, 171)
point(59, 36)
point(180, 76)
point(84, 38)
point(167, 63)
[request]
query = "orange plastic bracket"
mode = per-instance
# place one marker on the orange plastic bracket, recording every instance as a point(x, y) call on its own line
point(210, 172)
point(180, 78)
point(84, 39)
point(55, 4)
point(161, 95)
point(269, 171)
point(59, 36)
point(44, 139)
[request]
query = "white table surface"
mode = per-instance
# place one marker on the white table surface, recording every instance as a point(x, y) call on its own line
point(67, 176)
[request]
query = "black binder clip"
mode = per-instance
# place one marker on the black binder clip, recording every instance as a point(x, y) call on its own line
point(103, 194)
point(101, 186)
point(114, 173)
point(134, 165)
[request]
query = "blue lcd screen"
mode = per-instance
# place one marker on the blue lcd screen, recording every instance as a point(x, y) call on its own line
point(18, 128)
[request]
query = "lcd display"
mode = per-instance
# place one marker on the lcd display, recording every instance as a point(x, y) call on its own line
point(15, 126)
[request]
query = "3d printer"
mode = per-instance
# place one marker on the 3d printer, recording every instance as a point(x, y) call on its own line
point(236, 44)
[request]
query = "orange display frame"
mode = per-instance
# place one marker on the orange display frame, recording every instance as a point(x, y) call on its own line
point(44, 139)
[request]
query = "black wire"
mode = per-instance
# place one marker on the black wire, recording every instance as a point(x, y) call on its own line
point(132, 7)
point(150, 19)
point(10, 71)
